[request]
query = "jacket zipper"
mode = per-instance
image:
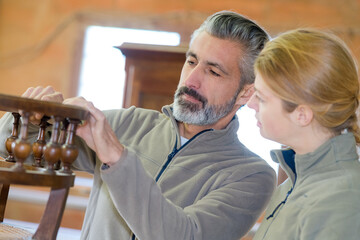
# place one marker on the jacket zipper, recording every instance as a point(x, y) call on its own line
point(281, 203)
point(170, 157)
point(174, 151)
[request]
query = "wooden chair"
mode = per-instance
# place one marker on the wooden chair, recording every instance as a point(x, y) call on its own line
point(45, 169)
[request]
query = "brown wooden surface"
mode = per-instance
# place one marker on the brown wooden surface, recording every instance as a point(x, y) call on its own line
point(4, 192)
point(155, 52)
point(37, 178)
point(152, 74)
point(51, 219)
point(21, 174)
point(11, 103)
point(59, 184)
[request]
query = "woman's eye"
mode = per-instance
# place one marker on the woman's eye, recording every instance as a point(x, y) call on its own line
point(258, 97)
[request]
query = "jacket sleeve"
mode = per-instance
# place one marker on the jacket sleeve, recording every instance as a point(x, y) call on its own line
point(5, 132)
point(225, 213)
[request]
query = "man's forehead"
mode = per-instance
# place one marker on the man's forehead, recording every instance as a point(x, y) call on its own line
point(216, 51)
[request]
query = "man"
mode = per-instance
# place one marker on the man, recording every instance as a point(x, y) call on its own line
point(180, 174)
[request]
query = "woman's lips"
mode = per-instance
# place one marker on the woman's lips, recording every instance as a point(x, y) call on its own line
point(258, 123)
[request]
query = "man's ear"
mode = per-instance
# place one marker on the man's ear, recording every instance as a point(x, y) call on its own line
point(302, 115)
point(245, 94)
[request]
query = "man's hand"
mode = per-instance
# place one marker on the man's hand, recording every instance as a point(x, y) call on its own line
point(41, 93)
point(97, 133)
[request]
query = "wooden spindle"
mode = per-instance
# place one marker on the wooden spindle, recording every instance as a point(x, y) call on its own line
point(64, 126)
point(13, 137)
point(21, 147)
point(52, 151)
point(39, 144)
point(69, 151)
point(62, 139)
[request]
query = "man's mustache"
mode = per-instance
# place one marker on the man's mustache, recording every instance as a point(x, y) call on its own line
point(191, 92)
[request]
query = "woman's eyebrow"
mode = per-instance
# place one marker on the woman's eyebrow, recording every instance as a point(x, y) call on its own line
point(258, 91)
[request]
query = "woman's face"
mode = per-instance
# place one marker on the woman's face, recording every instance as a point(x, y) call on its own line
point(273, 121)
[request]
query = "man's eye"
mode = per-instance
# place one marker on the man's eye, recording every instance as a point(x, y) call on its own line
point(190, 62)
point(214, 73)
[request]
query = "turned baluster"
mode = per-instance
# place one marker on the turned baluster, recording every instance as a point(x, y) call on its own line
point(64, 126)
point(39, 144)
point(52, 151)
point(69, 151)
point(62, 139)
point(13, 137)
point(21, 147)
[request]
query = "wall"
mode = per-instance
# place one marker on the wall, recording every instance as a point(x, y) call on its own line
point(41, 40)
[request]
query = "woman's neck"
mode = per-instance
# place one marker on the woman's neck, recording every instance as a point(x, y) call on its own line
point(311, 139)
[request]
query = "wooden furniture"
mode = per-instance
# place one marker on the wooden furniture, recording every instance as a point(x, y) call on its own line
point(61, 147)
point(152, 74)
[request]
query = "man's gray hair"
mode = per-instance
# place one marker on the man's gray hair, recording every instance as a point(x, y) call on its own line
point(235, 27)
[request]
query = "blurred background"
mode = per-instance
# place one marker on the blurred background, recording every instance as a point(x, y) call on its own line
point(42, 41)
point(77, 46)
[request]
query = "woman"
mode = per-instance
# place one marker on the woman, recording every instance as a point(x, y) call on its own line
point(306, 97)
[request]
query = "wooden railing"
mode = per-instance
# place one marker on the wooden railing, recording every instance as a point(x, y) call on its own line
point(52, 162)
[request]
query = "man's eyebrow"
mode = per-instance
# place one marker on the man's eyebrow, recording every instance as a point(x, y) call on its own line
point(221, 68)
point(191, 54)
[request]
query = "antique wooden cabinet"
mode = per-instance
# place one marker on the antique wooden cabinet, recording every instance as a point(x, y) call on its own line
point(152, 74)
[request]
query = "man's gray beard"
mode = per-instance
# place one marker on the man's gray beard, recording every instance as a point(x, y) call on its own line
point(192, 113)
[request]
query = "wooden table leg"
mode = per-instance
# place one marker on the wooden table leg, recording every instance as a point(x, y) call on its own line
point(4, 192)
point(49, 225)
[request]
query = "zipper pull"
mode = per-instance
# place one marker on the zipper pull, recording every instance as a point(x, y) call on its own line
point(172, 154)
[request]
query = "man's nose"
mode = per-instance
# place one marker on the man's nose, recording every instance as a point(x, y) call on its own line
point(194, 78)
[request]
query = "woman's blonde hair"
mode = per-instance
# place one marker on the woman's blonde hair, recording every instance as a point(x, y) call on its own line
point(313, 67)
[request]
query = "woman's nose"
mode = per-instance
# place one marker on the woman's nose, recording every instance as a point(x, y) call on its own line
point(252, 103)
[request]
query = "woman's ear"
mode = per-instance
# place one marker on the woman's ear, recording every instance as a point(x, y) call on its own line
point(302, 115)
point(245, 94)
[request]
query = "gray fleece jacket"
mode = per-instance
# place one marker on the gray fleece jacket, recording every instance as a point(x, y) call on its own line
point(321, 197)
point(212, 187)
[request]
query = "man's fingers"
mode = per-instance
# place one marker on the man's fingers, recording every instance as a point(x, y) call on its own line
point(77, 101)
point(54, 97)
point(95, 112)
point(40, 93)
point(37, 93)
point(28, 92)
